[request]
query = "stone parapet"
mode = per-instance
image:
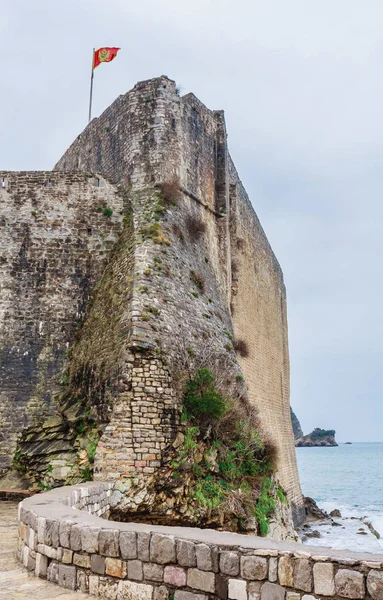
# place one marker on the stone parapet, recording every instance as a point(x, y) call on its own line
point(63, 537)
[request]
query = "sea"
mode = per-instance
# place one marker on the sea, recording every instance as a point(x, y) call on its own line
point(348, 477)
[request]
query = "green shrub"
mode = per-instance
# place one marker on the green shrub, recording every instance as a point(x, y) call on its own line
point(231, 466)
point(202, 402)
point(86, 474)
point(107, 212)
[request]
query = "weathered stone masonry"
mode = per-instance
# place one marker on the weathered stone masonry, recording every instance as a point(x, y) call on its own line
point(53, 247)
point(148, 136)
point(145, 308)
point(62, 538)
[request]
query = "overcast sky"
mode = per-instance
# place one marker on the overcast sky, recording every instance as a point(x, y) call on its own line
point(301, 83)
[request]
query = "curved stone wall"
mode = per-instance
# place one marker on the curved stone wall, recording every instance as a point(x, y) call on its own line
point(63, 537)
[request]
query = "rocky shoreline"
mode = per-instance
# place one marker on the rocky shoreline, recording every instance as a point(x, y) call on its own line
point(336, 530)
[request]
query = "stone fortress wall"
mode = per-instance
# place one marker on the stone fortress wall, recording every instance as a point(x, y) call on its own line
point(53, 248)
point(152, 134)
point(62, 538)
point(145, 310)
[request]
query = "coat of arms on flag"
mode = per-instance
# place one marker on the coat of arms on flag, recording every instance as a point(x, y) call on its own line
point(104, 55)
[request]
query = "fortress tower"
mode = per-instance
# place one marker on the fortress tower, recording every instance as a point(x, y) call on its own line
point(94, 227)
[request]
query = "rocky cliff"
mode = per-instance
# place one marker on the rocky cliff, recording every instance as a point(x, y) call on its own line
point(297, 429)
point(318, 437)
point(142, 263)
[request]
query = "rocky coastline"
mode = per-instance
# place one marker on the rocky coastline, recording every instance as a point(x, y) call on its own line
point(336, 529)
point(318, 437)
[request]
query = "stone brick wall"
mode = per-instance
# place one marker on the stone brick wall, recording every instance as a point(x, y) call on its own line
point(260, 319)
point(145, 137)
point(53, 247)
point(126, 561)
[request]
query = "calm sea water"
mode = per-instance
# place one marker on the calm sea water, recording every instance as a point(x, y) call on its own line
point(350, 478)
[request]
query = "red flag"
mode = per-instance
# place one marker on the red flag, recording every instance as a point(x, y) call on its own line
point(104, 55)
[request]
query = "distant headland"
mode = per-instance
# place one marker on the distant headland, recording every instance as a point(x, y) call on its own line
point(318, 437)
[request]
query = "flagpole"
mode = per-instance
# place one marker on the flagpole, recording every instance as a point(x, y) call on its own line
point(91, 87)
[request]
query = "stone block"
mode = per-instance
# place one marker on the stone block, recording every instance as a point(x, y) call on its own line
point(109, 542)
point(41, 566)
point(229, 563)
point(186, 554)
point(153, 572)
point(143, 543)
point(237, 589)
point(209, 559)
point(128, 544)
point(53, 571)
point(349, 584)
point(188, 596)
point(67, 577)
point(272, 591)
point(273, 569)
point(93, 585)
point(303, 574)
point(81, 560)
point(64, 533)
point(161, 593)
point(175, 576)
point(201, 580)
point(107, 588)
point(31, 563)
point(254, 567)
point(75, 538)
point(375, 584)
point(254, 590)
point(89, 539)
point(285, 571)
point(130, 590)
point(116, 567)
point(135, 570)
point(82, 581)
point(40, 531)
point(32, 539)
point(97, 564)
point(324, 582)
point(66, 556)
point(47, 551)
point(295, 596)
point(51, 537)
point(162, 549)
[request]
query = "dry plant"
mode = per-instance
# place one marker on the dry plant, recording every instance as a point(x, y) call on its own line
point(170, 190)
point(241, 347)
point(195, 226)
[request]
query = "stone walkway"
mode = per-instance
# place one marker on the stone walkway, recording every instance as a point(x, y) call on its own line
point(15, 581)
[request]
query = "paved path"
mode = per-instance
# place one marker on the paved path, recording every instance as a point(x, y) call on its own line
point(15, 581)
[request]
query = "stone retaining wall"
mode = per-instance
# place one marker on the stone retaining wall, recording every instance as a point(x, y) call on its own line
point(63, 537)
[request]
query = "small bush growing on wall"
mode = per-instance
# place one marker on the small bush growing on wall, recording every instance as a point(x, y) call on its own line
point(202, 402)
point(230, 467)
point(170, 190)
point(195, 226)
point(198, 280)
point(241, 347)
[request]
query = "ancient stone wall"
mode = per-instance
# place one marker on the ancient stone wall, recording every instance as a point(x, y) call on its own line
point(54, 241)
point(149, 136)
point(81, 551)
point(260, 320)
